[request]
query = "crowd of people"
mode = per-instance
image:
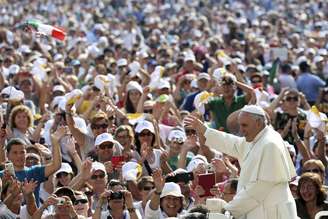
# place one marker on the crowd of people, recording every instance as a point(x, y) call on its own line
point(164, 109)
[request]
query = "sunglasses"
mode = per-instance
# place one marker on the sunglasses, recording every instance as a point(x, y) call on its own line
point(289, 99)
point(62, 174)
point(88, 193)
point(142, 134)
point(100, 126)
point(81, 201)
point(313, 171)
point(150, 111)
point(100, 176)
point(148, 188)
point(106, 146)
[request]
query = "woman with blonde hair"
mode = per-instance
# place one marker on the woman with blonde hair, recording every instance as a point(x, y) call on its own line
point(21, 124)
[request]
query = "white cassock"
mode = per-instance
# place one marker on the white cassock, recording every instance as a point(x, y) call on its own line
point(266, 168)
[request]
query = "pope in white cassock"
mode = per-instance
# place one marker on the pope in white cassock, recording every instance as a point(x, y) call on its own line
point(266, 166)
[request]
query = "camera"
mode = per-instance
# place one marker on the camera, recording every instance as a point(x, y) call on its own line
point(180, 177)
point(61, 201)
point(116, 195)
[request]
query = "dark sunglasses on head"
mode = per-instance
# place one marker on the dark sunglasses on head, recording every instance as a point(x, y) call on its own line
point(61, 174)
point(291, 99)
point(313, 171)
point(148, 188)
point(95, 126)
point(81, 201)
point(142, 134)
point(100, 176)
point(105, 146)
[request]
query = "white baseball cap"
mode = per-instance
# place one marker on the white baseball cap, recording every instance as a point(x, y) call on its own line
point(317, 59)
point(105, 137)
point(171, 189)
point(122, 62)
point(204, 76)
point(195, 161)
point(163, 84)
point(65, 168)
point(177, 135)
point(145, 125)
point(98, 166)
point(133, 85)
point(58, 88)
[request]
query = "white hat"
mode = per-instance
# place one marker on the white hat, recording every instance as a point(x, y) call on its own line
point(190, 57)
point(25, 49)
point(317, 59)
point(201, 99)
point(58, 88)
point(13, 69)
point(310, 51)
point(65, 168)
point(171, 189)
point(73, 96)
point(16, 95)
point(218, 73)
point(177, 135)
point(133, 85)
point(134, 67)
point(58, 57)
point(253, 109)
point(215, 205)
point(105, 137)
point(195, 161)
point(7, 90)
point(161, 84)
point(145, 125)
point(322, 52)
point(98, 166)
point(57, 100)
point(204, 76)
point(122, 62)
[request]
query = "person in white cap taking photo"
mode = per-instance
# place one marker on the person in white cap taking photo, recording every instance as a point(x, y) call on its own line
point(266, 167)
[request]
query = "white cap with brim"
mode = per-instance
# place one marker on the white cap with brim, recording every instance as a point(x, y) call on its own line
point(131, 171)
point(122, 62)
point(98, 166)
point(145, 125)
point(55, 102)
point(105, 137)
point(171, 189)
point(195, 161)
point(133, 85)
point(65, 168)
point(58, 88)
point(177, 135)
point(161, 84)
point(317, 59)
point(253, 109)
point(204, 76)
point(16, 95)
point(7, 90)
point(14, 69)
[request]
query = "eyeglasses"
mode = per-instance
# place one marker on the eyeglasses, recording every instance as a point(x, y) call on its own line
point(148, 188)
point(81, 201)
point(88, 193)
point(61, 174)
point(312, 171)
point(100, 176)
point(106, 146)
point(143, 134)
point(100, 126)
point(289, 99)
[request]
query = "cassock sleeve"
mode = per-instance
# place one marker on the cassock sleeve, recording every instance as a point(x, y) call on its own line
point(248, 198)
point(224, 142)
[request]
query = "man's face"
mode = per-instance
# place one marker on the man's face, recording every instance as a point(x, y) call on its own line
point(248, 126)
point(17, 155)
point(228, 89)
point(105, 151)
point(98, 181)
point(99, 127)
point(171, 205)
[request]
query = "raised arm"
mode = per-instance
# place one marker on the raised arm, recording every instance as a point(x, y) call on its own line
point(56, 154)
point(221, 141)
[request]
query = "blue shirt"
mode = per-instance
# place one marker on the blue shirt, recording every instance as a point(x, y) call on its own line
point(309, 85)
point(35, 172)
point(188, 103)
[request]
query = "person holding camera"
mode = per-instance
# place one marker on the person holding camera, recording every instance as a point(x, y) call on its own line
point(120, 205)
